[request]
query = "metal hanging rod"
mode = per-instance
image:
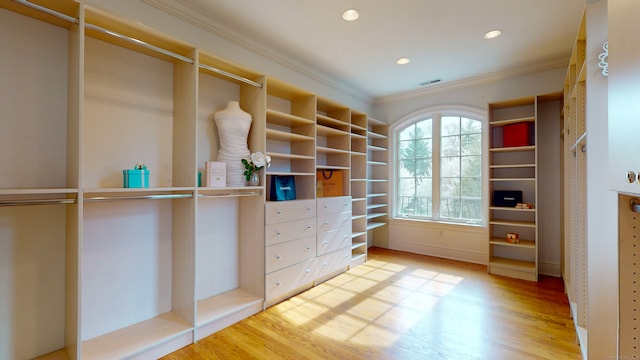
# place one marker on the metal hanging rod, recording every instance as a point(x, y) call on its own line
point(254, 193)
point(230, 75)
point(138, 42)
point(37, 202)
point(138, 197)
point(62, 16)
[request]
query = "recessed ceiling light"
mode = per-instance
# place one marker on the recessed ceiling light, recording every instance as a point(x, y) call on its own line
point(403, 61)
point(350, 15)
point(492, 34)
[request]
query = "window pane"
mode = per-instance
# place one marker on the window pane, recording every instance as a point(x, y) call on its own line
point(470, 126)
point(450, 125)
point(471, 144)
point(450, 146)
point(423, 148)
point(450, 208)
point(407, 168)
point(471, 187)
point(407, 133)
point(450, 167)
point(471, 208)
point(423, 197)
point(407, 149)
point(449, 188)
point(471, 166)
point(424, 129)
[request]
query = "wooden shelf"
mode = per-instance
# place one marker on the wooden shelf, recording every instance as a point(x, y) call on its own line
point(513, 149)
point(374, 225)
point(284, 119)
point(279, 135)
point(529, 244)
point(512, 121)
point(519, 265)
point(512, 223)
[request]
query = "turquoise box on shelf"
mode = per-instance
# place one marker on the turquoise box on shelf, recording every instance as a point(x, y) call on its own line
point(135, 178)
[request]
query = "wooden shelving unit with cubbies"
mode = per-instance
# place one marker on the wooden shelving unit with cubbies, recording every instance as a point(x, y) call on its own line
point(377, 182)
point(358, 179)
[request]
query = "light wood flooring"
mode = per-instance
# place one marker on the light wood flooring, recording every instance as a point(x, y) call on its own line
point(406, 306)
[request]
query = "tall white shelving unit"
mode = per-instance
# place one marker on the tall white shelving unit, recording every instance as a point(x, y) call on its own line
point(94, 270)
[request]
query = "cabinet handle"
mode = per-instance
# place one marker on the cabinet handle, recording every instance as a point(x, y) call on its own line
point(278, 257)
point(325, 223)
point(325, 242)
point(308, 226)
point(279, 212)
point(278, 283)
point(308, 248)
point(325, 265)
point(279, 233)
point(308, 271)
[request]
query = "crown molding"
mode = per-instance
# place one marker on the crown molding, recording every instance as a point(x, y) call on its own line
point(477, 80)
point(179, 10)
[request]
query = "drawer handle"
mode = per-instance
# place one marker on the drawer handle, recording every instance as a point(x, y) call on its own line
point(325, 265)
point(279, 212)
point(325, 223)
point(308, 248)
point(346, 204)
point(308, 209)
point(278, 283)
point(326, 206)
point(346, 237)
point(279, 233)
point(308, 226)
point(278, 257)
point(308, 271)
point(325, 242)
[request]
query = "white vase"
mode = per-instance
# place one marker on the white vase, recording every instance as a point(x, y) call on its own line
point(233, 127)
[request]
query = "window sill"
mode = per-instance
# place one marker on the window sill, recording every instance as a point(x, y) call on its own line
point(440, 223)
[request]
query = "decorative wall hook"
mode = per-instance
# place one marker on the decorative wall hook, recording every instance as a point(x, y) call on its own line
point(604, 59)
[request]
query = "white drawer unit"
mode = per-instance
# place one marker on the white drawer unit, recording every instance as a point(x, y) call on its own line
point(288, 281)
point(333, 240)
point(332, 205)
point(289, 253)
point(332, 263)
point(283, 211)
point(334, 221)
point(282, 232)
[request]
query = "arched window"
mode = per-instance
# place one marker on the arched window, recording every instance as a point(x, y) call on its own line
point(439, 157)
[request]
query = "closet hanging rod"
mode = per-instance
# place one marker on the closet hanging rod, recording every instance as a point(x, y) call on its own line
point(43, 9)
point(230, 75)
point(137, 197)
point(37, 202)
point(139, 42)
point(105, 31)
point(229, 195)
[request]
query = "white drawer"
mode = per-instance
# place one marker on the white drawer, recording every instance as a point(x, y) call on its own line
point(333, 240)
point(289, 253)
point(283, 211)
point(330, 263)
point(283, 281)
point(281, 232)
point(330, 205)
point(334, 222)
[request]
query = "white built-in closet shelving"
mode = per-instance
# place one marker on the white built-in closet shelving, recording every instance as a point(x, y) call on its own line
point(94, 270)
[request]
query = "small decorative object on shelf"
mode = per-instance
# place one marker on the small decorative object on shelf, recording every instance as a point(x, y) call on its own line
point(524, 206)
point(329, 183)
point(257, 161)
point(138, 177)
point(215, 174)
point(513, 238)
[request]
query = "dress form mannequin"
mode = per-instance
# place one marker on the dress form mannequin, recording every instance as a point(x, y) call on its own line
point(233, 127)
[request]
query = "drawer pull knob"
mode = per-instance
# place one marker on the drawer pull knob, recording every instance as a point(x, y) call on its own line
point(308, 248)
point(308, 226)
point(278, 283)
point(326, 223)
point(279, 212)
point(278, 257)
point(326, 206)
point(308, 271)
point(308, 209)
point(325, 242)
point(279, 233)
point(325, 265)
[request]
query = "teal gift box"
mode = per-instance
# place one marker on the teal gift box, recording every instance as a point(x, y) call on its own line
point(135, 178)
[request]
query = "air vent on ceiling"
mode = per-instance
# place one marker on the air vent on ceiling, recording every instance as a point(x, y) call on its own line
point(429, 82)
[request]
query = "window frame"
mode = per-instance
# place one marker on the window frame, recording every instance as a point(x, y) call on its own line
point(436, 113)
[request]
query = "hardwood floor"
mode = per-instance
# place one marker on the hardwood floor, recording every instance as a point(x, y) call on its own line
point(406, 306)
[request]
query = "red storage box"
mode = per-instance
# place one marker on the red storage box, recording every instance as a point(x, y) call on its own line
point(515, 135)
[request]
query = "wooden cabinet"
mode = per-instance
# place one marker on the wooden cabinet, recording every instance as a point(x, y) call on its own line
point(113, 272)
point(377, 183)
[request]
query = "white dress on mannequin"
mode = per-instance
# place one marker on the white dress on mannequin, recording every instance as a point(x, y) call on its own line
point(233, 128)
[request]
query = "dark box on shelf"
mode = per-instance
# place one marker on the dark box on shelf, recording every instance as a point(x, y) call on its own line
point(516, 135)
point(507, 198)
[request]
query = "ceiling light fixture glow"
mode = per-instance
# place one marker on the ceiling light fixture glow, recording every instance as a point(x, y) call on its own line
point(350, 15)
point(492, 34)
point(403, 61)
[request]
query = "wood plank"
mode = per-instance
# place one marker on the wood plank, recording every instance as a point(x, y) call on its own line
point(405, 306)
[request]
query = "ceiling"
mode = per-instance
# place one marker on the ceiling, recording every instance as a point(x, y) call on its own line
point(443, 38)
